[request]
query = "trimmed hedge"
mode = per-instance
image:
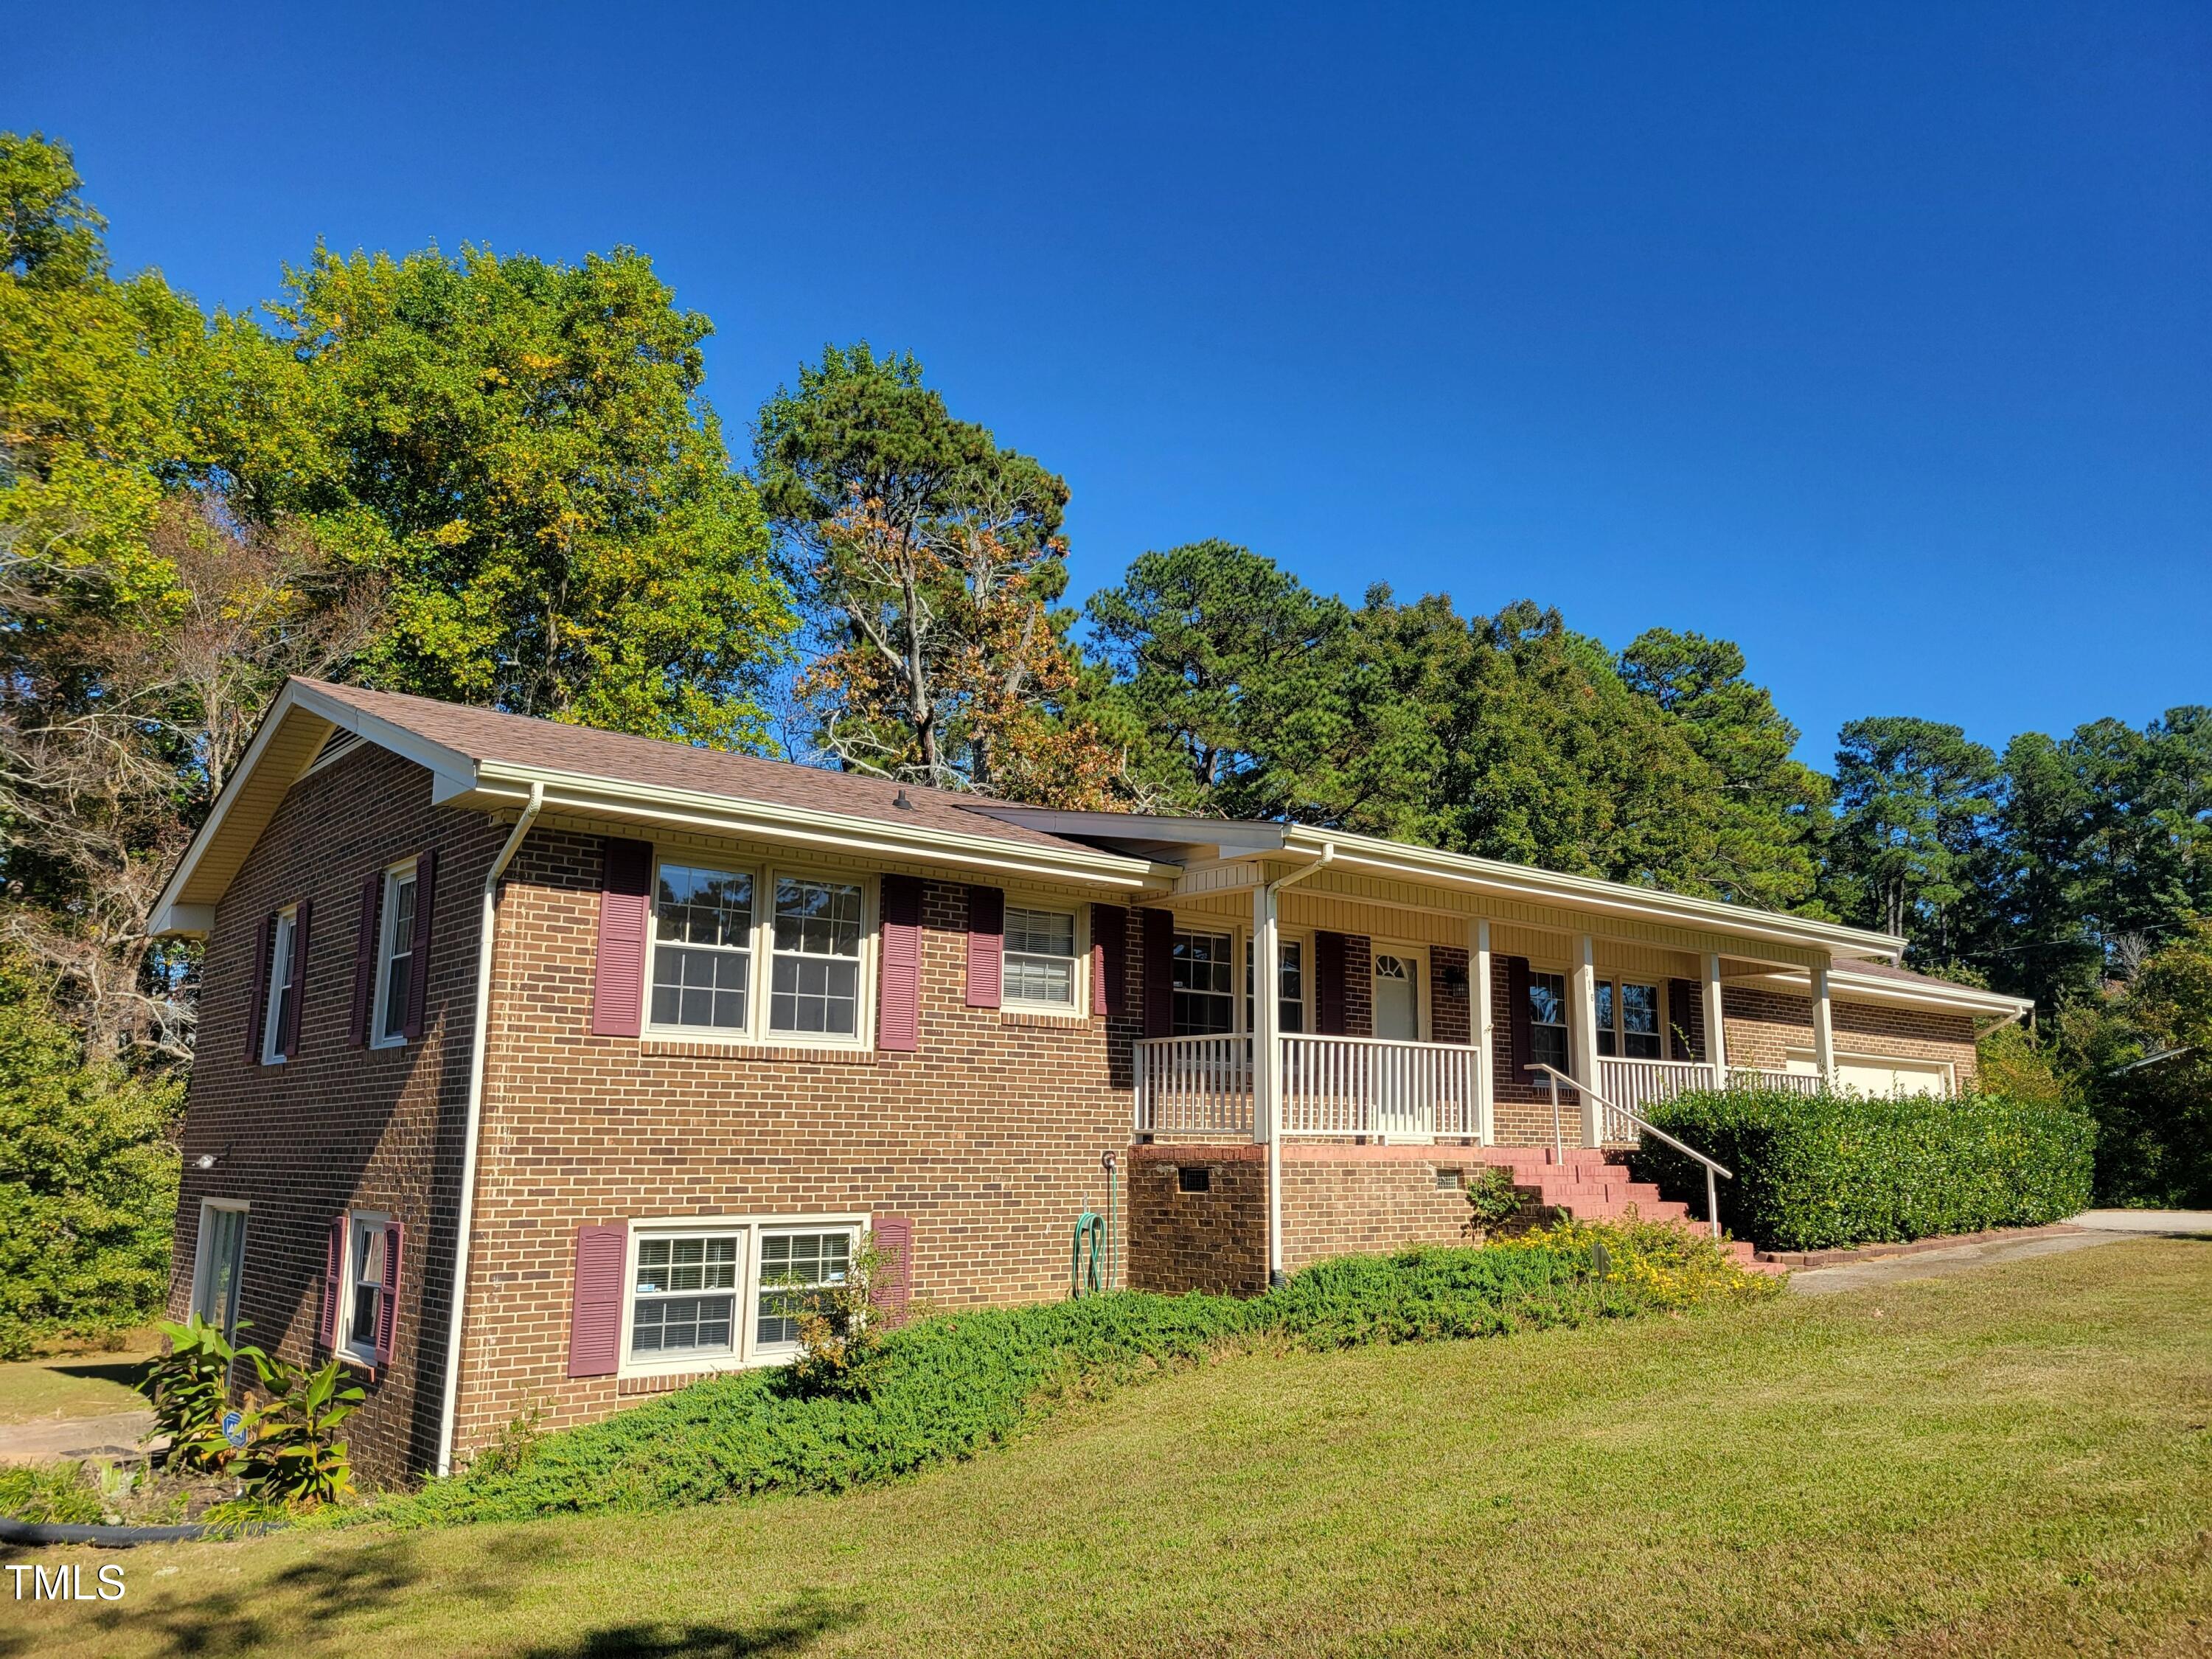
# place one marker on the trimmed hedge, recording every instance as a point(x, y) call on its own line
point(951, 1385)
point(1820, 1171)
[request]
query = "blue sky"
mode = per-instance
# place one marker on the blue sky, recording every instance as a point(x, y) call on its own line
point(1876, 338)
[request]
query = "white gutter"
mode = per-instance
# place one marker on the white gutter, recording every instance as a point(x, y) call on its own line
point(478, 1040)
point(1267, 1004)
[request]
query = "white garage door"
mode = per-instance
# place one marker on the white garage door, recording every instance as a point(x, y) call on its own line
point(1881, 1074)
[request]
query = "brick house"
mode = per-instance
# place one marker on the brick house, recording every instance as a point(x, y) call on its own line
point(627, 1040)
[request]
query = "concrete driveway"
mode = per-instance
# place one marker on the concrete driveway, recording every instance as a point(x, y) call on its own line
point(2098, 1227)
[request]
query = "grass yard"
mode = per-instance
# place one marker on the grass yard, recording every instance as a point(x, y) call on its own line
point(2012, 1462)
point(74, 1385)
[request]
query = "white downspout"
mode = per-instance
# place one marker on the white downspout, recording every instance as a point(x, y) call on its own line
point(1267, 1071)
point(478, 1039)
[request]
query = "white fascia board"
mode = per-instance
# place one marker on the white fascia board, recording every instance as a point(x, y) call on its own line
point(182, 921)
point(1645, 903)
point(1902, 994)
point(446, 762)
point(610, 798)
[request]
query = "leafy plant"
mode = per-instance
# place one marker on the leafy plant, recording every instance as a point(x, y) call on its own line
point(837, 1330)
point(190, 1388)
point(49, 1494)
point(295, 1455)
point(1492, 1200)
point(1818, 1171)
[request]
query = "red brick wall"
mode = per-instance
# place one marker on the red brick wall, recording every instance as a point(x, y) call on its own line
point(1216, 1239)
point(988, 1138)
point(338, 1127)
point(1354, 1201)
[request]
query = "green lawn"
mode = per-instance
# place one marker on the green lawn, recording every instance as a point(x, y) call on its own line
point(2015, 1461)
point(77, 1385)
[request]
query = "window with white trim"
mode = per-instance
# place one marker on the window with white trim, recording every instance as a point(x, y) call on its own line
point(793, 1266)
point(1627, 1020)
point(1039, 968)
point(758, 954)
point(703, 955)
point(1290, 984)
point(281, 992)
point(1205, 966)
point(683, 1301)
point(220, 1262)
point(395, 956)
point(361, 1296)
point(1547, 1022)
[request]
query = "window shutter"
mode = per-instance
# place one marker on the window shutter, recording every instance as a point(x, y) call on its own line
point(288, 1040)
point(1686, 1021)
point(595, 1315)
point(387, 1313)
point(1160, 973)
point(898, 1009)
point(364, 960)
point(625, 909)
point(333, 1276)
point(893, 1238)
point(418, 968)
point(1110, 960)
point(1328, 983)
point(1517, 1020)
point(987, 946)
point(257, 1008)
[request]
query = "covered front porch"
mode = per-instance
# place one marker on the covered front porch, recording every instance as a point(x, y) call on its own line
point(1426, 997)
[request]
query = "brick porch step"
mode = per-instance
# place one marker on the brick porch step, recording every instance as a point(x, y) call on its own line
point(1585, 1185)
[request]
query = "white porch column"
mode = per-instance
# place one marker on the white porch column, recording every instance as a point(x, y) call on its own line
point(1716, 1026)
point(1582, 1051)
point(1481, 1026)
point(1266, 1081)
point(1824, 1028)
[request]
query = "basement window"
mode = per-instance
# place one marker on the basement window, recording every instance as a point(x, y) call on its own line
point(1197, 1178)
point(1449, 1181)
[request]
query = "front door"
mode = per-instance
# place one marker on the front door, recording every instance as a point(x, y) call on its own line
point(1398, 996)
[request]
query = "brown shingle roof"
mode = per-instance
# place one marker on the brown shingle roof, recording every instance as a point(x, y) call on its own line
point(483, 734)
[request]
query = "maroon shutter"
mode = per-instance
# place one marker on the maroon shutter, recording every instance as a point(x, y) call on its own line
point(898, 1001)
point(388, 1311)
point(418, 967)
point(257, 1009)
point(333, 1276)
point(893, 1285)
point(1517, 1020)
point(987, 946)
point(1328, 983)
point(1160, 973)
point(1110, 960)
point(288, 1040)
point(364, 961)
point(595, 1314)
point(1684, 1023)
point(625, 907)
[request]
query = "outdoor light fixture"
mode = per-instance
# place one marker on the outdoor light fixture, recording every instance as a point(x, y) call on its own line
point(209, 1160)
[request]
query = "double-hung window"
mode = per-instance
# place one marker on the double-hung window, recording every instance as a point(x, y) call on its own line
point(1289, 986)
point(362, 1309)
point(1039, 968)
point(794, 1266)
point(396, 965)
point(1628, 1020)
point(1205, 993)
point(684, 1300)
point(281, 988)
point(756, 953)
point(1547, 1022)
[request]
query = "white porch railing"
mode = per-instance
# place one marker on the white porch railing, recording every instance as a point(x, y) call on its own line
point(1335, 1086)
point(1194, 1085)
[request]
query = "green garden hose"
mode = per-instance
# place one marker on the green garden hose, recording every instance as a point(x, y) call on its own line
point(1088, 1277)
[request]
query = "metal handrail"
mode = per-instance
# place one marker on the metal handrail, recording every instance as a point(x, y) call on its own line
point(1713, 1194)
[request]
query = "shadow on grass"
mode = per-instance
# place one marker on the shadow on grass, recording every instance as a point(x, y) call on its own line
point(793, 1628)
point(124, 1372)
